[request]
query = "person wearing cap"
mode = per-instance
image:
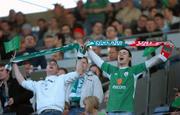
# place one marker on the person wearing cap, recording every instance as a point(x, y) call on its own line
point(11, 101)
point(50, 93)
point(87, 85)
point(79, 34)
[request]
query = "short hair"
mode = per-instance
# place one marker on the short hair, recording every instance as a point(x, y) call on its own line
point(130, 54)
point(64, 69)
point(34, 37)
point(159, 15)
point(116, 48)
point(84, 58)
point(53, 60)
point(41, 19)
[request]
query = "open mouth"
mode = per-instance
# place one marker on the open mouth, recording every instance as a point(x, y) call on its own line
point(121, 59)
point(50, 67)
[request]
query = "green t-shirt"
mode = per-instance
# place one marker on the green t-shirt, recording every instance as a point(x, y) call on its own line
point(94, 5)
point(101, 113)
point(122, 86)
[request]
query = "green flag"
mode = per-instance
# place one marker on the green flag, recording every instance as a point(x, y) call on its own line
point(149, 50)
point(13, 44)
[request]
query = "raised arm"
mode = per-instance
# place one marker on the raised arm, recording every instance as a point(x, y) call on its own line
point(70, 77)
point(18, 74)
point(162, 57)
point(95, 58)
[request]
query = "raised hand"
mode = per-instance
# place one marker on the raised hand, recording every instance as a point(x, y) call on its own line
point(167, 49)
point(79, 67)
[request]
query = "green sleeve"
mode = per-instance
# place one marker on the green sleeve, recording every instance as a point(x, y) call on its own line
point(139, 68)
point(176, 103)
point(108, 68)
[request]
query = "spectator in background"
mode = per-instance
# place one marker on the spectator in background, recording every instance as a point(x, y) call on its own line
point(128, 14)
point(97, 32)
point(152, 12)
point(60, 15)
point(96, 11)
point(14, 98)
point(71, 20)
point(175, 5)
point(59, 40)
point(6, 34)
point(26, 30)
point(62, 70)
point(160, 22)
point(42, 25)
point(12, 16)
point(97, 50)
point(79, 12)
point(112, 53)
point(57, 56)
point(88, 85)
point(169, 17)
point(140, 27)
point(119, 26)
point(79, 35)
point(30, 43)
point(91, 106)
point(19, 21)
point(53, 28)
point(111, 33)
point(49, 42)
point(128, 32)
point(97, 71)
point(67, 33)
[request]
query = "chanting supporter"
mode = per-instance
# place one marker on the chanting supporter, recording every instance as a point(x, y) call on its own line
point(50, 93)
point(123, 78)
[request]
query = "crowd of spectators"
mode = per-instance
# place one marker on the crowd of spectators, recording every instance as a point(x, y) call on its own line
point(93, 20)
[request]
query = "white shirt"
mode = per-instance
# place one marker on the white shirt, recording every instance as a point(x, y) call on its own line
point(50, 93)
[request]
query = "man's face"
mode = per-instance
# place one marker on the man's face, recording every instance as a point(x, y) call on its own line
point(84, 64)
point(112, 53)
point(123, 57)
point(3, 73)
point(52, 68)
point(30, 41)
point(111, 33)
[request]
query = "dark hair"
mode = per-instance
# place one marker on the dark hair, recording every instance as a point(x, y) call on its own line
point(130, 54)
point(41, 19)
point(112, 27)
point(53, 60)
point(84, 58)
point(64, 69)
point(159, 15)
point(61, 36)
point(94, 65)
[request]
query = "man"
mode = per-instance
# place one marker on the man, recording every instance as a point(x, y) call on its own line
point(112, 53)
point(50, 93)
point(30, 43)
point(14, 98)
point(123, 78)
point(87, 85)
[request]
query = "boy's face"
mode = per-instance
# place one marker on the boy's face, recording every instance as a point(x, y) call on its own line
point(124, 57)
